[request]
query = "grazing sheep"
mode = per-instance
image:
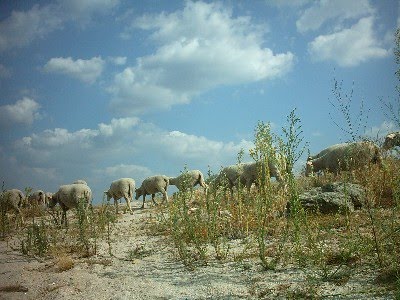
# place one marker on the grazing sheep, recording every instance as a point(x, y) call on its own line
point(12, 199)
point(69, 196)
point(391, 140)
point(229, 176)
point(251, 173)
point(123, 187)
point(188, 179)
point(151, 186)
point(37, 198)
point(343, 157)
point(80, 181)
point(244, 173)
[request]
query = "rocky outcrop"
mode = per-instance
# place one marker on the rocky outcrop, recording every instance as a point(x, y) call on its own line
point(334, 197)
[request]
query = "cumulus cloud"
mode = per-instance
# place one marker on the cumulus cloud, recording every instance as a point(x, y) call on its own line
point(118, 60)
point(339, 10)
point(117, 125)
point(125, 135)
point(199, 147)
point(124, 170)
point(59, 137)
point(24, 111)
point(145, 137)
point(83, 138)
point(198, 48)
point(23, 27)
point(85, 70)
point(349, 47)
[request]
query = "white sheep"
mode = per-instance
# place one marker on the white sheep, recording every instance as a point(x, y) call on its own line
point(69, 196)
point(37, 198)
point(123, 187)
point(391, 140)
point(12, 199)
point(188, 179)
point(344, 157)
point(229, 176)
point(252, 171)
point(151, 186)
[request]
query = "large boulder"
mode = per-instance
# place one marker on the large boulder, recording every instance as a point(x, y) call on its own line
point(333, 198)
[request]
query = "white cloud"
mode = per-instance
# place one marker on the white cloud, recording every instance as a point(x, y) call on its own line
point(123, 170)
point(118, 60)
point(85, 70)
point(201, 148)
point(60, 137)
point(24, 111)
point(83, 138)
point(349, 47)
point(325, 10)
point(117, 125)
point(23, 27)
point(199, 48)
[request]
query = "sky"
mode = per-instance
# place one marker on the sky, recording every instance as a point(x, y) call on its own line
point(104, 89)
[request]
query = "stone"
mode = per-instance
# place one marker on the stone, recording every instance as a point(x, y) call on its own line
point(336, 197)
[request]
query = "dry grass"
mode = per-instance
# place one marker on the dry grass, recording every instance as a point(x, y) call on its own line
point(330, 247)
point(64, 263)
point(202, 228)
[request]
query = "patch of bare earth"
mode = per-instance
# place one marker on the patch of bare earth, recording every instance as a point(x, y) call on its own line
point(144, 266)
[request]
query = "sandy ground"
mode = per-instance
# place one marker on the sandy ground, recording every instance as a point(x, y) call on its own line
point(157, 274)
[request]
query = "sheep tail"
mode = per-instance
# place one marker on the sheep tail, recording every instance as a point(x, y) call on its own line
point(21, 199)
point(166, 179)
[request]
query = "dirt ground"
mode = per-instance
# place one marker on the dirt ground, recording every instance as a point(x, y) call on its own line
point(157, 274)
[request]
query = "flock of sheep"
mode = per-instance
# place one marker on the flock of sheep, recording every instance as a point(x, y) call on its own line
point(336, 158)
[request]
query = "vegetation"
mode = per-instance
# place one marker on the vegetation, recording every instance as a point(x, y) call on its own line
point(265, 227)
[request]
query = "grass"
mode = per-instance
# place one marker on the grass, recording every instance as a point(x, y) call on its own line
point(250, 230)
point(326, 247)
point(64, 262)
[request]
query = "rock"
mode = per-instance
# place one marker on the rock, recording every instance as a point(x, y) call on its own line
point(333, 198)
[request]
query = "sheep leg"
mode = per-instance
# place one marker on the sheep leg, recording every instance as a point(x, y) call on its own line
point(19, 215)
point(128, 203)
point(116, 205)
point(165, 196)
point(144, 196)
point(152, 198)
point(64, 218)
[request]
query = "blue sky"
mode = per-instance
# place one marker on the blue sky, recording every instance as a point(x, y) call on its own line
point(104, 89)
